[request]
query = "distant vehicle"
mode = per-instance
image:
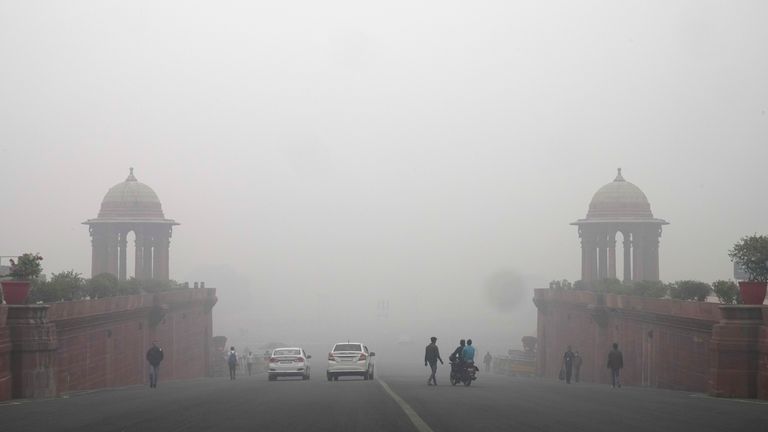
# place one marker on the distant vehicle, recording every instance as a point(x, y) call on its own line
point(350, 358)
point(288, 362)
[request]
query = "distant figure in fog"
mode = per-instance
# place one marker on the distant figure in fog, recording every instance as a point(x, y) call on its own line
point(487, 360)
point(154, 357)
point(232, 361)
point(568, 364)
point(249, 359)
point(615, 364)
point(431, 356)
point(576, 366)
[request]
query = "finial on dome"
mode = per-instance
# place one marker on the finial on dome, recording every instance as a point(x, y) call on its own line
point(619, 178)
point(131, 176)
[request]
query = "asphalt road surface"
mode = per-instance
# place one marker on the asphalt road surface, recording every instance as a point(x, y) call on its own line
point(398, 400)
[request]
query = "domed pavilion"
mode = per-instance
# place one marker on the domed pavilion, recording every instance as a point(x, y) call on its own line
point(620, 207)
point(131, 206)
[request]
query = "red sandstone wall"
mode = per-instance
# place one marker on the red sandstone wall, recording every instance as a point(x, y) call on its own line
point(665, 342)
point(5, 356)
point(102, 343)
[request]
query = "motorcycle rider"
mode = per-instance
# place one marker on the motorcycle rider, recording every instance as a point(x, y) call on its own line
point(457, 357)
point(469, 355)
point(469, 352)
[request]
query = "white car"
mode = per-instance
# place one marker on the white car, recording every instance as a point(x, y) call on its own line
point(350, 358)
point(289, 362)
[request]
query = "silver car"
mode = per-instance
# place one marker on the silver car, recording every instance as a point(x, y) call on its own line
point(289, 362)
point(350, 358)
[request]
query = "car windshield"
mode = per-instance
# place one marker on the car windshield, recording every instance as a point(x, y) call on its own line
point(347, 347)
point(286, 352)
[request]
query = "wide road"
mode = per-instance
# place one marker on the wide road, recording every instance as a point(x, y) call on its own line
point(398, 400)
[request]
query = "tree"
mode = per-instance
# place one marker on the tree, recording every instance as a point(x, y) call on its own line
point(751, 252)
point(131, 286)
point(653, 289)
point(611, 286)
point(69, 285)
point(726, 291)
point(42, 291)
point(690, 290)
point(102, 285)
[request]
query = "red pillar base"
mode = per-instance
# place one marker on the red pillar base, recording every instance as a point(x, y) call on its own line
point(34, 344)
point(734, 345)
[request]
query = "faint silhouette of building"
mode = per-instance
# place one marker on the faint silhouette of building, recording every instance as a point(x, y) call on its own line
point(619, 207)
point(131, 206)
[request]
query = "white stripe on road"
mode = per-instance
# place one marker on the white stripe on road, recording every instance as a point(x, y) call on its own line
point(417, 421)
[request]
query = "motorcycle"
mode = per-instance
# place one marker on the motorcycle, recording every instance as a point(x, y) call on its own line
point(463, 373)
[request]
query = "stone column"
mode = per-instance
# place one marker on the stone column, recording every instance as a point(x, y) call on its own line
point(602, 253)
point(156, 254)
point(112, 252)
point(612, 255)
point(148, 242)
point(139, 259)
point(734, 347)
point(99, 250)
point(652, 255)
point(162, 246)
point(34, 344)
point(588, 255)
point(627, 256)
point(123, 250)
point(637, 255)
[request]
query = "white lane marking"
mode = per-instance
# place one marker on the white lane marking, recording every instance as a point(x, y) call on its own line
point(417, 421)
point(748, 401)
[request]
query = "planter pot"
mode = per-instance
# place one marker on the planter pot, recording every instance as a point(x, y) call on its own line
point(15, 292)
point(752, 293)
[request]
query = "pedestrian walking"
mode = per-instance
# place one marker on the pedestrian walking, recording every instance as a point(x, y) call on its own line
point(431, 356)
point(232, 361)
point(576, 366)
point(615, 364)
point(249, 360)
point(568, 364)
point(154, 357)
point(487, 360)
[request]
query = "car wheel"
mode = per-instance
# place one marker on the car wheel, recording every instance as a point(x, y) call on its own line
point(371, 375)
point(335, 378)
point(328, 376)
point(366, 375)
point(272, 377)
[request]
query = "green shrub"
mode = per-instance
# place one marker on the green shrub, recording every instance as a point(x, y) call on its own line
point(653, 289)
point(690, 290)
point(727, 291)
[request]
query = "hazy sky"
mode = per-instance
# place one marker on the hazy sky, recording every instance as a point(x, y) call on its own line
point(402, 150)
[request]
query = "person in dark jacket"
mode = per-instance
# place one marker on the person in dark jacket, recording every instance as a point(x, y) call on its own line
point(615, 364)
point(577, 360)
point(568, 364)
point(457, 356)
point(154, 357)
point(431, 356)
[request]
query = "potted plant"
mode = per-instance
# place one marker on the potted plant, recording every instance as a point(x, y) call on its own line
point(26, 268)
point(751, 253)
